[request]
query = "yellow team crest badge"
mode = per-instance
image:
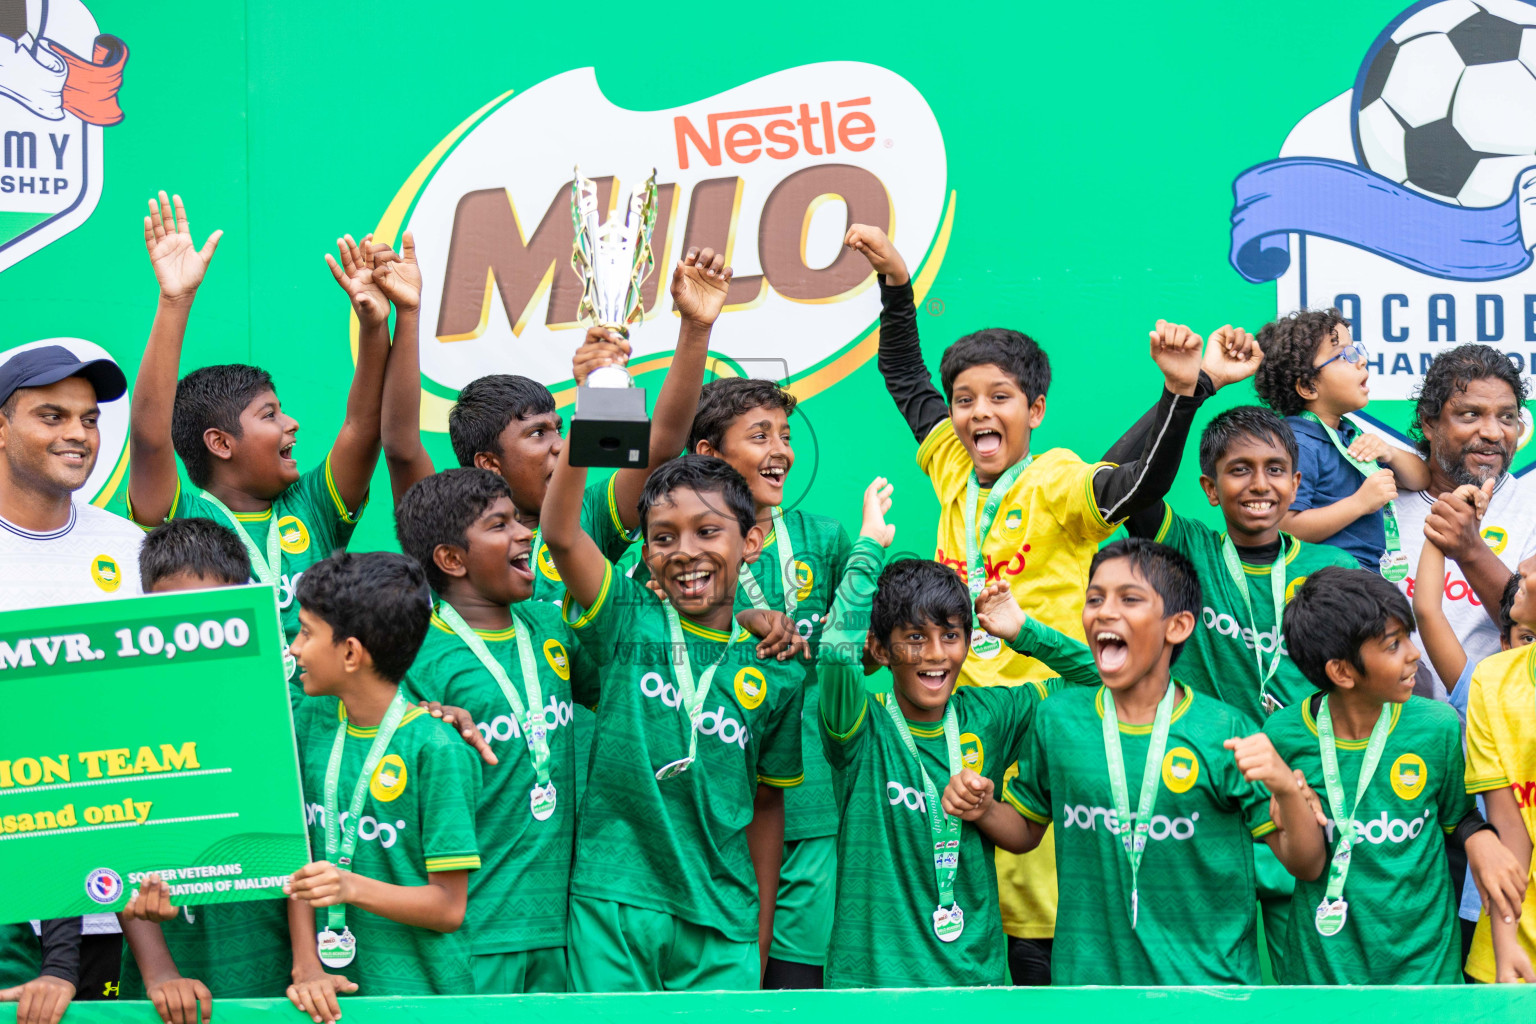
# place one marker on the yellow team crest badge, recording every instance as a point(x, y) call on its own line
point(1013, 520)
point(751, 687)
point(1409, 774)
point(972, 754)
point(1292, 587)
point(547, 564)
point(106, 572)
point(805, 579)
point(292, 535)
point(1496, 537)
point(1181, 770)
point(557, 658)
point(389, 778)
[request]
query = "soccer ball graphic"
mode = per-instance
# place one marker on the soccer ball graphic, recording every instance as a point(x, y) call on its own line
point(1445, 101)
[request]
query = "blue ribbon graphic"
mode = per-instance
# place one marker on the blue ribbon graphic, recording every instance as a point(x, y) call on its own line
point(1349, 204)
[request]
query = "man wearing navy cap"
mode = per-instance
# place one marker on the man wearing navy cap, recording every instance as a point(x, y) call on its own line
point(55, 549)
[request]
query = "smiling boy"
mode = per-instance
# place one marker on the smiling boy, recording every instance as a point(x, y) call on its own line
point(1391, 767)
point(1313, 374)
point(682, 829)
point(1156, 793)
point(897, 924)
point(1031, 519)
point(512, 664)
point(232, 436)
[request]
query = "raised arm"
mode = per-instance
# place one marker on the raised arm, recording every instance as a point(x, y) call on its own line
point(1138, 486)
point(398, 276)
point(842, 696)
point(699, 285)
point(901, 353)
point(999, 613)
point(1440, 641)
point(179, 268)
point(580, 562)
point(355, 453)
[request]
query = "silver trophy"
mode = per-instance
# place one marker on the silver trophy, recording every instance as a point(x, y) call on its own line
point(611, 427)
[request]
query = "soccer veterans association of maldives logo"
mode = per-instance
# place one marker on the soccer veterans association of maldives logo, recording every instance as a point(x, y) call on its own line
point(104, 885)
point(772, 172)
point(1409, 200)
point(59, 79)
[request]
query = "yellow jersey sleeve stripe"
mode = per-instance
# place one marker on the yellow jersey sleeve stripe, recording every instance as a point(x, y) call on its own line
point(1263, 830)
point(1092, 500)
point(1039, 688)
point(1018, 805)
point(613, 512)
point(602, 595)
point(469, 862)
point(777, 783)
point(1167, 523)
point(935, 437)
point(1486, 785)
point(175, 501)
point(844, 737)
point(341, 506)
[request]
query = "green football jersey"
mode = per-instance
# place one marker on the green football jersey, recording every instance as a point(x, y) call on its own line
point(679, 845)
point(239, 950)
point(1196, 921)
point(1221, 659)
point(21, 954)
point(882, 931)
point(418, 817)
point(312, 523)
point(600, 521)
point(517, 900)
point(1401, 928)
point(821, 548)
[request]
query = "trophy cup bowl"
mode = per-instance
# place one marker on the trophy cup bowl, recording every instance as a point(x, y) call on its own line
point(611, 428)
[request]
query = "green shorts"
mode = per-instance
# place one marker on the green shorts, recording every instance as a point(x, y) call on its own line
point(1275, 885)
point(802, 919)
point(527, 970)
point(615, 947)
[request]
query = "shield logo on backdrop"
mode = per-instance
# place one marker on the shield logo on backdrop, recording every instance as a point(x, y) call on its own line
point(1408, 201)
point(59, 79)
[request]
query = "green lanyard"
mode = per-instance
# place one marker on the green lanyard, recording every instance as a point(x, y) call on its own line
point(1334, 910)
point(1394, 564)
point(337, 950)
point(948, 919)
point(267, 567)
point(1133, 838)
point(1268, 701)
point(690, 697)
point(786, 571)
point(983, 644)
point(529, 717)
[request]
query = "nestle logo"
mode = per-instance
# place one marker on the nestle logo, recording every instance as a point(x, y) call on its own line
point(781, 138)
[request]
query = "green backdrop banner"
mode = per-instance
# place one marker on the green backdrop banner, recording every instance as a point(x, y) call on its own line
point(175, 757)
point(896, 1006)
point(1076, 172)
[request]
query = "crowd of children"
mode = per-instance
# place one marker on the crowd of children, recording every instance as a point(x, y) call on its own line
point(764, 757)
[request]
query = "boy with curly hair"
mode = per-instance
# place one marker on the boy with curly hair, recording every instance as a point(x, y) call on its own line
point(1313, 374)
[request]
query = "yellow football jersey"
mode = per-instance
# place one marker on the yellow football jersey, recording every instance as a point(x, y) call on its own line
point(1501, 752)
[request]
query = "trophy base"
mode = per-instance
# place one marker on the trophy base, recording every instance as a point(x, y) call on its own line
point(610, 429)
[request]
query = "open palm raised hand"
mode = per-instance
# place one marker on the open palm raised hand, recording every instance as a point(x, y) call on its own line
point(178, 264)
point(355, 275)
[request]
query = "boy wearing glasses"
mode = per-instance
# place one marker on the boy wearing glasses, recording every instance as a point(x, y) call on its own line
point(1313, 375)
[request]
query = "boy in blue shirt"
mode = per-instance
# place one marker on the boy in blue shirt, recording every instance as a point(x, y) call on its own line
point(1313, 374)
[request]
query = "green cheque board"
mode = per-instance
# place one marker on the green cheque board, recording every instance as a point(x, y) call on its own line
point(146, 735)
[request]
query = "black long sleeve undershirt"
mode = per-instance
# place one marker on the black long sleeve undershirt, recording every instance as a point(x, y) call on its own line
point(61, 949)
point(1134, 487)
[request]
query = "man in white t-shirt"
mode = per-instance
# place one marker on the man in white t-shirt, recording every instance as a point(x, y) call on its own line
point(56, 549)
point(1467, 425)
